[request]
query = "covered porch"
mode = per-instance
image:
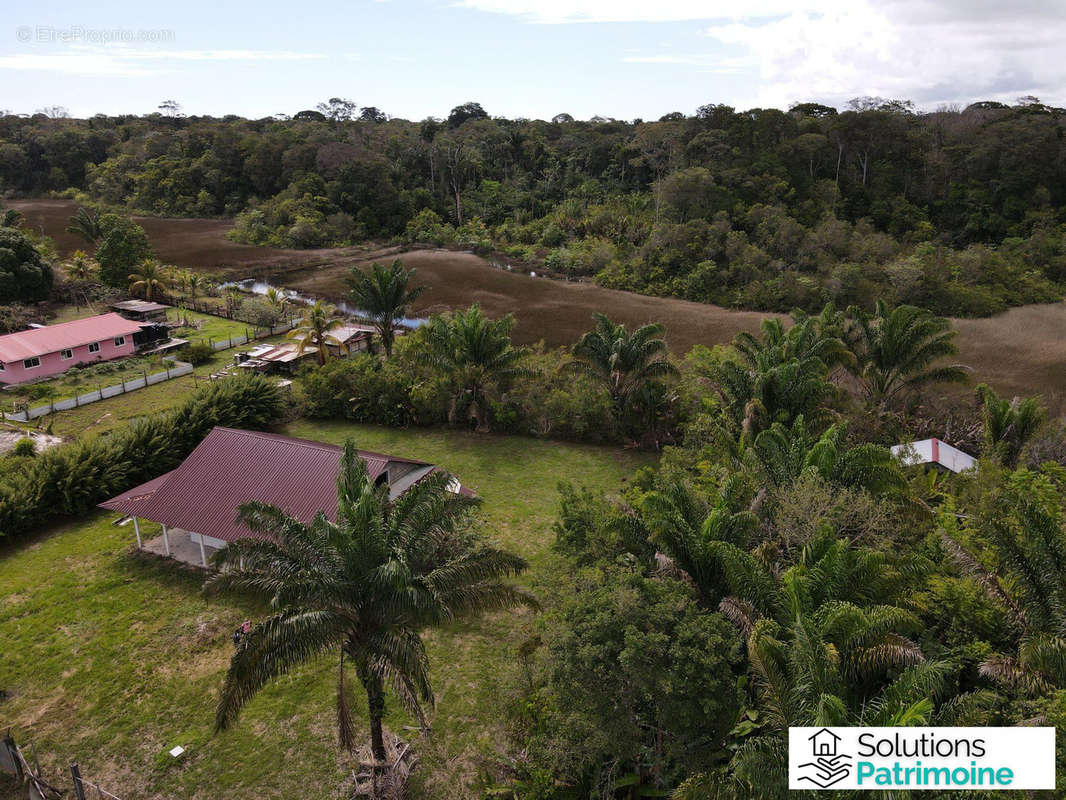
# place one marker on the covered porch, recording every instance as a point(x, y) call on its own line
point(181, 545)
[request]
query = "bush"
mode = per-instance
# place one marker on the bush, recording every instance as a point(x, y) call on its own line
point(198, 353)
point(72, 478)
point(24, 447)
point(629, 675)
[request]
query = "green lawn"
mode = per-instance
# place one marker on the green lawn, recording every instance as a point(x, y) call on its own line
point(111, 659)
point(82, 380)
point(205, 327)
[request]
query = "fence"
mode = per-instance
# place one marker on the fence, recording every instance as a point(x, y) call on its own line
point(250, 336)
point(225, 312)
point(178, 369)
point(13, 762)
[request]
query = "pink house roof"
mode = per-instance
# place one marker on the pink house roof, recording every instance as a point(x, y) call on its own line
point(231, 467)
point(64, 336)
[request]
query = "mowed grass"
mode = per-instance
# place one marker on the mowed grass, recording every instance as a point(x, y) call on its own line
point(206, 327)
point(112, 658)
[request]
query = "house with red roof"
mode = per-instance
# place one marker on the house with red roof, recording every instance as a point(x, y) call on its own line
point(196, 503)
point(51, 349)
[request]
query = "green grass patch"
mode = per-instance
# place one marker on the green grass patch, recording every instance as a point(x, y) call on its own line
point(112, 658)
point(82, 380)
point(205, 327)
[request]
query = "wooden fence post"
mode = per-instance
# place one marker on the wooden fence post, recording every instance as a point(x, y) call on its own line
point(79, 788)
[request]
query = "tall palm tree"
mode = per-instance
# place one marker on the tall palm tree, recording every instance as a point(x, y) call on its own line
point(86, 224)
point(149, 280)
point(897, 351)
point(623, 362)
point(383, 294)
point(476, 354)
point(363, 587)
point(314, 330)
point(1009, 424)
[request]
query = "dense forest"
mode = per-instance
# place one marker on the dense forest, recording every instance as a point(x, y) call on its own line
point(959, 210)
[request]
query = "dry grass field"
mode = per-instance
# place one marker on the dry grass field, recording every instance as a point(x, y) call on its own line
point(1020, 352)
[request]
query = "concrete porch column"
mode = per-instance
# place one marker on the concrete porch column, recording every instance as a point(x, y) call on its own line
point(203, 553)
point(166, 541)
point(137, 530)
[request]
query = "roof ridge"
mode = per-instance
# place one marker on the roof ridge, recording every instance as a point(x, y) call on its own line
point(314, 443)
point(278, 437)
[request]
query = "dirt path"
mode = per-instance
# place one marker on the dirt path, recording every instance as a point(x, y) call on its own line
point(1020, 352)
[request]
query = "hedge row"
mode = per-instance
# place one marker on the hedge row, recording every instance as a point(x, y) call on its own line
point(71, 479)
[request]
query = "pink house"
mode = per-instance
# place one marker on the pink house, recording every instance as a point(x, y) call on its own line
point(51, 349)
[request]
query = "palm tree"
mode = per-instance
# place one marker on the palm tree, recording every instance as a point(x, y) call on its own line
point(276, 300)
point(195, 283)
point(314, 330)
point(783, 373)
point(826, 647)
point(896, 351)
point(150, 279)
point(383, 295)
point(1009, 424)
point(363, 587)
point(623, 362)
point(180, 279)
point(476, 354)
point(780, 456)
point(1029, 583)
point(86, 224)
point(81, 267)
point(688, 529)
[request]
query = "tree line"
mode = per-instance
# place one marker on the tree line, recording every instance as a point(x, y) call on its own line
point(961, 209)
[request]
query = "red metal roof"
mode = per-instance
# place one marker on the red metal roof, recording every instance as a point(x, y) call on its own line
point(231, 467)
point(65, 335)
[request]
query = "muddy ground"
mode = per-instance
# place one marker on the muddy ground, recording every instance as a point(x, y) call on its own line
point(1020, 352)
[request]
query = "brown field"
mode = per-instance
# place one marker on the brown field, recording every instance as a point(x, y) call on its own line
point(1020, 352)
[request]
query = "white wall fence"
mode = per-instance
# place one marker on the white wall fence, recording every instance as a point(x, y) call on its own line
point(174, 369)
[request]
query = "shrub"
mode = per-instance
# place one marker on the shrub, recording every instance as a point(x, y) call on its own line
point(198, 353)
point(24, 447)
point(72, 478)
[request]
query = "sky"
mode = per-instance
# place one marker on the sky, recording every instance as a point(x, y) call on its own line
point(625, 59)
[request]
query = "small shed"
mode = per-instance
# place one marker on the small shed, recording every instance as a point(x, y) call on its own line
point(141, 310)
point(934, 452)
point(353, 338)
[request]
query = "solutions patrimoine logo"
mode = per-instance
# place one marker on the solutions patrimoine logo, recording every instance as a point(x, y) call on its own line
point(922, 758)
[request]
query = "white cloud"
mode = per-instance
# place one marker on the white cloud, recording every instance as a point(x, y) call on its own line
point(931, 51)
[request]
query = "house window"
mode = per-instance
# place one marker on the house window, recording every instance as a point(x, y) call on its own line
point(94, 347)
point(2, 367)
point(66, 355)
point(31, 363)
point(119, 341)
